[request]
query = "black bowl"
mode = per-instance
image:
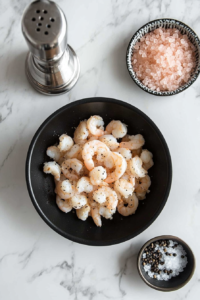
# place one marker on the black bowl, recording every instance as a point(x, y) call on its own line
point(41, 186)
point(174, 283)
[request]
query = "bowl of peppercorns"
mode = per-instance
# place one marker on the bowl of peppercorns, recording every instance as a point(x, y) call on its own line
point(166, 263)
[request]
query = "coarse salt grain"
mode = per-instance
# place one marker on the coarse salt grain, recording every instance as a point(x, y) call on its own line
point(168, 52)
point(174, 263)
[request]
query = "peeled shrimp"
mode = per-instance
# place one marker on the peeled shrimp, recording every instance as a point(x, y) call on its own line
point(52, 168)
point(96, 215)
point(120, 167)
point(107, 196)
point(135, 142)
point(110, 141)
point(66, 143)
point(84, 185)
point(97, 175)
point(54, 153)
point(81, 133)
point(89, 150)
point(141, 196)
point(143, 184)
point(123, 187)
point(129, 177)
point(136, 152)
point(135, 167)
point(95, 124)
point(65, 189)
point(72, 168)
point(129, 209)
point(64, 205)
point(126, 138)
point(117, 128)
point(106, 213)
point(126, 153)
point(83, 213)
point(147, 158)
point(109, 162)
point(92, 138)
point(78, 201)
point(74, 152)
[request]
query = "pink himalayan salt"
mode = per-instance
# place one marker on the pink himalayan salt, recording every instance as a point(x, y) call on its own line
point(164, 59)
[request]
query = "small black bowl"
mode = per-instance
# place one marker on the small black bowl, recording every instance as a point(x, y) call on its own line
point(41, 186)
point(151, 26)
point(174, 283)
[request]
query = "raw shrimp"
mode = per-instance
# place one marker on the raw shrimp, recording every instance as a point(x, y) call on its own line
point(126, 153)
point(66, 143)
point(81, 133)
point(147, 158)
point(52, 168)
point(135, 142)
point(135, 167)
point(123, 187)
point(117, 128)
point(89, 150)
point(72, 168)
point(83, 212)
point(106, 196)
point(127, 210)
point(110, 141)
point(54, 153)
point(120, 167)
point(78, 201)
point(65, 189)
point(95, 124)
point(143, 184)
point(97, 176)
point(84, 185)
point(74, 152)
point(64, 205)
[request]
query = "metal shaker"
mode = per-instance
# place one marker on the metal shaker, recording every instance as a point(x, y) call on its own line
point(52, 66)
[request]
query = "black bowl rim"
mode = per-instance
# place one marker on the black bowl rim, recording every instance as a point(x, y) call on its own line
point(164, 237)
point(164, 93)
point(28, 170)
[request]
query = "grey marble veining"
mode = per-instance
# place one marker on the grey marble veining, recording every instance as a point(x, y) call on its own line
point(37, 263)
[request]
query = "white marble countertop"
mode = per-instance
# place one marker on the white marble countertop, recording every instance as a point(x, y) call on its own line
point(37, 263)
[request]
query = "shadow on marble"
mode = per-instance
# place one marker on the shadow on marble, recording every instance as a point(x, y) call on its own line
point(15, 203)
point(119, 68)
point(128, 274)
point(16, 72)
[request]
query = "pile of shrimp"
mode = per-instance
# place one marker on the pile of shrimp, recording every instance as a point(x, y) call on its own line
point(100, 171)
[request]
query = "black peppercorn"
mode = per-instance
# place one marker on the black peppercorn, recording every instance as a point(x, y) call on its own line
point(174, 254)
point(182, 256)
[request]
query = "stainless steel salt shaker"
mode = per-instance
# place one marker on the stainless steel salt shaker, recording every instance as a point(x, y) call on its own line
point(52, 66)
